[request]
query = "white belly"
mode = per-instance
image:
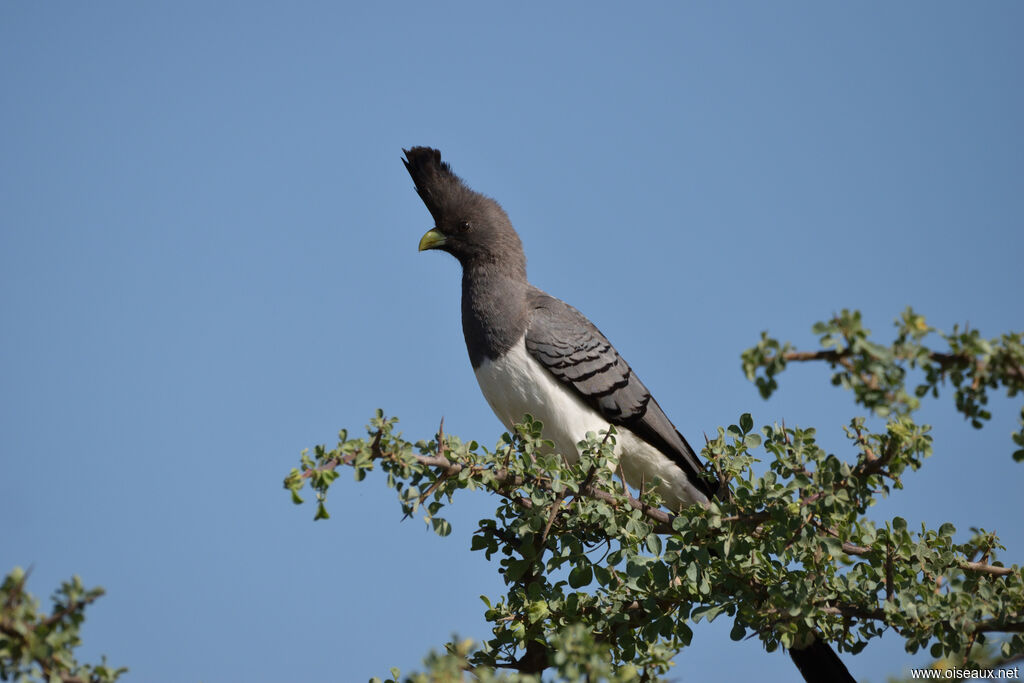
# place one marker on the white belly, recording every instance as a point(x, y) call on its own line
point(517, 384)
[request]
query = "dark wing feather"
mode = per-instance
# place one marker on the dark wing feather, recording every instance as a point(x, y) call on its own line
point(578, 355)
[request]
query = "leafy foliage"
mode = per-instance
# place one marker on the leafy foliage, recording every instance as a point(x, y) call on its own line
point(606, 584)
point(36, 646)
point(877, 374)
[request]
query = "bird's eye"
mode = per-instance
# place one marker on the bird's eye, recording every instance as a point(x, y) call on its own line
point(464, 226)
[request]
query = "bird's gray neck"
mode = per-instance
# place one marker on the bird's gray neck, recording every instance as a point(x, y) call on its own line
point(494, 312)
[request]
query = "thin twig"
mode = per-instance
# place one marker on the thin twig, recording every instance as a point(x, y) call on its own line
point(555, 507)
point(890, 592)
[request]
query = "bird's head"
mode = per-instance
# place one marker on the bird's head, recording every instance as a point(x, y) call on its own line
point(468, 225)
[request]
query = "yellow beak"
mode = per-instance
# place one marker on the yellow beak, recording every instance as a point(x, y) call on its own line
point(432, 239)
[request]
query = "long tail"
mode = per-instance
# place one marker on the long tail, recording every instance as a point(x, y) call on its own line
point(819, 663)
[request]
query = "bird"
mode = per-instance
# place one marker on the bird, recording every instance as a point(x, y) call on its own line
point(535, 354)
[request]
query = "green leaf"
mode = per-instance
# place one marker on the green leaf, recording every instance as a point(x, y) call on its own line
point(707, 612)
point(441, 526)
point(660, 574)
point(537, 610)
point(746, 422)
point(515, 569)
point(581, 576)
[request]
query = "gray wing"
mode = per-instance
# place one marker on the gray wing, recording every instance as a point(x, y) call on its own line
point(578, 355)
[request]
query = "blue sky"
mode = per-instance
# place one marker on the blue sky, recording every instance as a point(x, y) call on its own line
point(208, 263)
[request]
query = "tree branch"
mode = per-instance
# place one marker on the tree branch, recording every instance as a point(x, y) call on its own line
point(662, 520)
